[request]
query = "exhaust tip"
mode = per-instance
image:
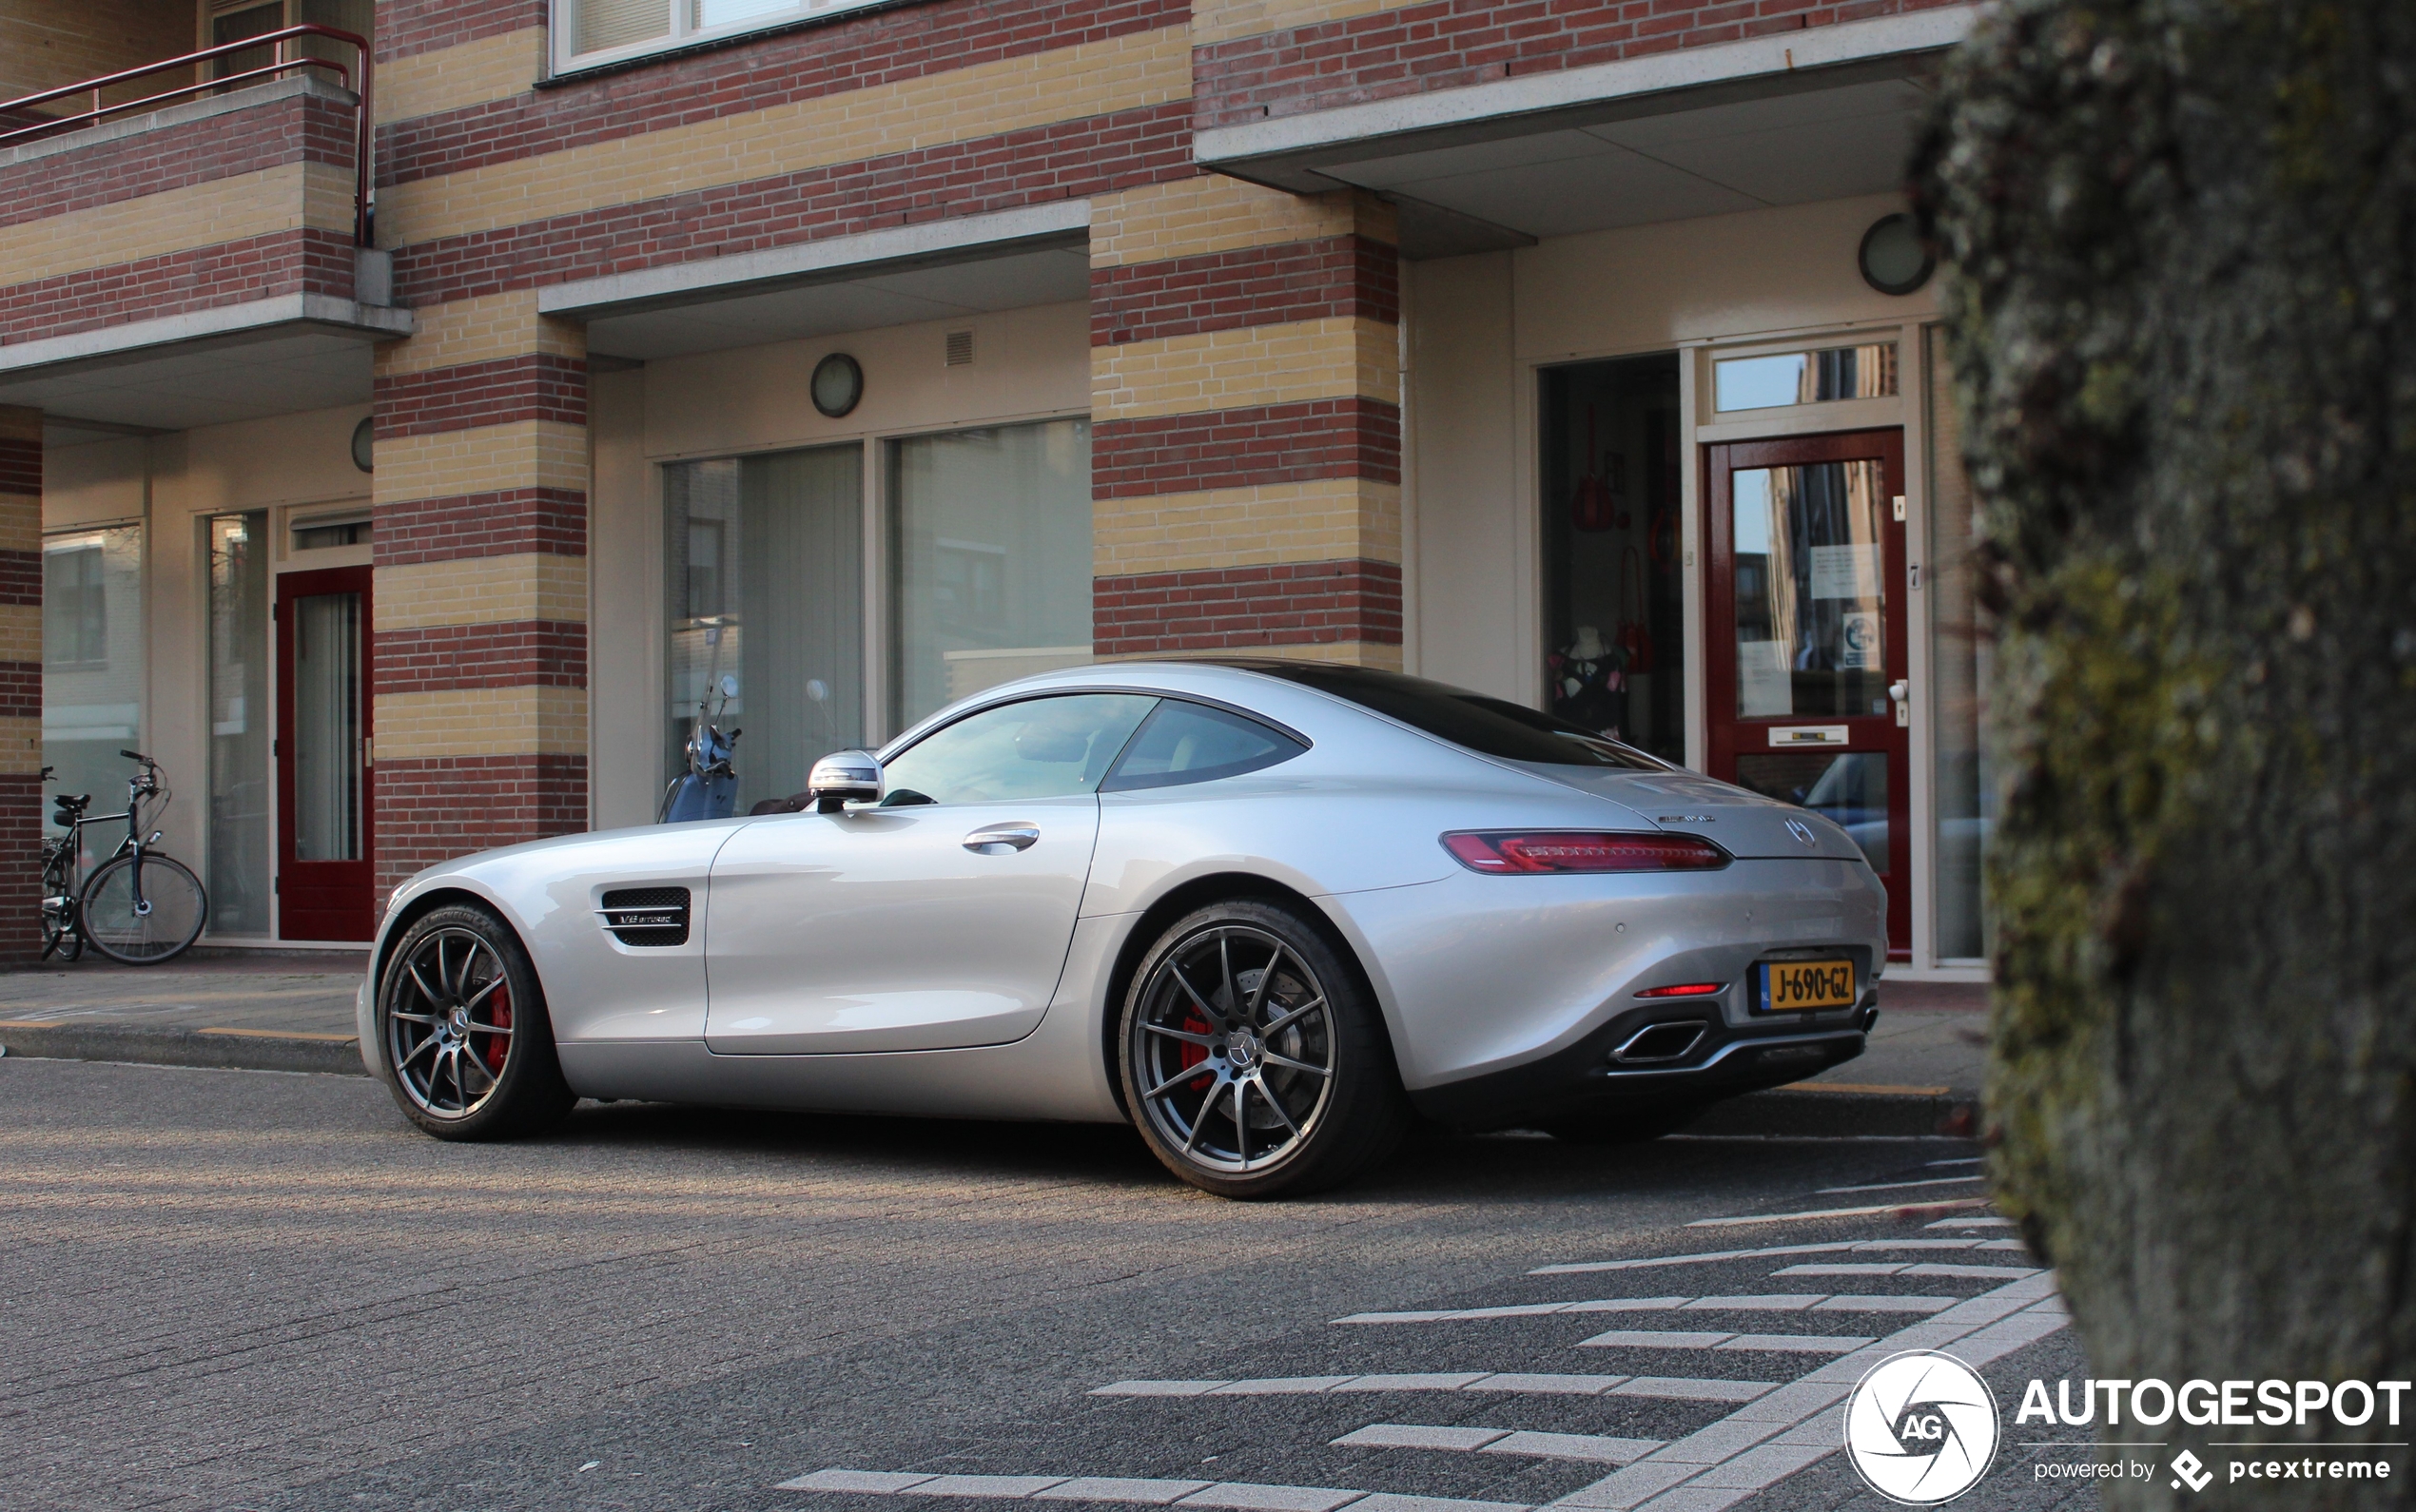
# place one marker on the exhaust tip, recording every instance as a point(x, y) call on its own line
point(1659, 1042)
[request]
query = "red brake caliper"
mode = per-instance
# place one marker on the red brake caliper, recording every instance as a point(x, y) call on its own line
point(498, 1046)
point(1195, 1054)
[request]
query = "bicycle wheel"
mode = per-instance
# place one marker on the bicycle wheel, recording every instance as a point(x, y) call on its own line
point(146, 928)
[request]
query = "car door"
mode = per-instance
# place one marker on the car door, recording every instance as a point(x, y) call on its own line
point(936, 920)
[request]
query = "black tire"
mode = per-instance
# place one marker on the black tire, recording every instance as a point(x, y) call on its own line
point(59, 935)
point(159, 926)
point(463, 1038)
point(1329, 1103)
point(1625, 1126)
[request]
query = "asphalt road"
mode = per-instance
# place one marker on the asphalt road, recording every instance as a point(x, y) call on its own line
point(249, 1289)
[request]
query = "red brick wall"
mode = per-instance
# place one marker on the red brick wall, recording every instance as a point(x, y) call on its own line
point(540, 653)
point(295, 128)
point(536, 387)
point(1449, 44)
point(304, 261)
point(1342, 276)
point(1068, 160)
point(1304, 604)
point(1274, 443)
point(850, 51)
point(499, 524)
point(430, 811)
point(20, 855)
point(405, 27)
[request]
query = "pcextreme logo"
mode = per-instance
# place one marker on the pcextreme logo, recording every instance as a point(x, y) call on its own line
point(1921, 1427)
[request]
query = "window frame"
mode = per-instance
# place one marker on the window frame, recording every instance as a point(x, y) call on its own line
point(562, 27)
point(1033, 696)
point(1158, 781)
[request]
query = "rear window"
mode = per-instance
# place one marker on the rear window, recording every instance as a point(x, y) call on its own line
point(1489, 726)
point(1182, 742)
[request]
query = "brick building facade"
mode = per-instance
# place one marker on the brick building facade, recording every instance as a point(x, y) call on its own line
point(1261, 326)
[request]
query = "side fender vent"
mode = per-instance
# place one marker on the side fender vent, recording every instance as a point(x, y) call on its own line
point(647, 916)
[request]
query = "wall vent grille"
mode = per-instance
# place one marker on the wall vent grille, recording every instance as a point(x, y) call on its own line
point(959, 349)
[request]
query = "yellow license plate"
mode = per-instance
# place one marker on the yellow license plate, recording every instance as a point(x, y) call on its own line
point(1804, 986)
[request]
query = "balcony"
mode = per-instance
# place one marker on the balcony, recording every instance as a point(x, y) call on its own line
point(196, 256)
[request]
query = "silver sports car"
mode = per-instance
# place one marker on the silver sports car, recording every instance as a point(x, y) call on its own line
point(1269, 912)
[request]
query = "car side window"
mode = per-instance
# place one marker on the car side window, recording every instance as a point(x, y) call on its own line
point(1184, 742)
point(1036, 748)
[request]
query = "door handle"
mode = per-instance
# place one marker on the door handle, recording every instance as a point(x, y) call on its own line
point(997, 840)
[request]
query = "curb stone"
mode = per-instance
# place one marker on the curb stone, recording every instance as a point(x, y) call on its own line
point(215, 1049)
point(1784, 1113)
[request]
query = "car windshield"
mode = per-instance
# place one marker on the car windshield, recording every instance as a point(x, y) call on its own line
point(1489, 726)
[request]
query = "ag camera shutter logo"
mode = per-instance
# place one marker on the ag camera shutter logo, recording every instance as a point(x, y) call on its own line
point(1921, 1427)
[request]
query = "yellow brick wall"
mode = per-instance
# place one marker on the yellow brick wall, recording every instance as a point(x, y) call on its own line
point(465, 74)
point(481, 721)
point(1259, 364)
point(1212, 213)
point(1321, 520)
point(958, 105)
point(287, 198)
point(482, 459)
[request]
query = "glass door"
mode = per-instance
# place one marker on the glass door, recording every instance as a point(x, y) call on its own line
point(1807, 672)
point(323, 883)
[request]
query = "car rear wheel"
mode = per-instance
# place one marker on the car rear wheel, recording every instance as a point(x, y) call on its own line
point(1255, 1061)
point(463, 1032)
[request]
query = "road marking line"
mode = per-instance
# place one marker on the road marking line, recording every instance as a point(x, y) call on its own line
point(1768, 1440)
point(1412, 1436)
point(1984, 1221)
point(1574, 1446)
point(1588, 1447)
point(1764, 1252)
point(1773, 1302)
point(1680, 1388)
point(1786, 1343)
point(1247, 1496)
point(1900, 1209)
point(1279, 1385)
point(1120, 1488)
point(1909, 1268)
point(1898, 1186)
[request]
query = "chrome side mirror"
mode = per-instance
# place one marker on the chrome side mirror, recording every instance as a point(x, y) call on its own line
point(842, 776)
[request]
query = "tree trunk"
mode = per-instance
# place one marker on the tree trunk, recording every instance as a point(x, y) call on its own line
point(2181, 237)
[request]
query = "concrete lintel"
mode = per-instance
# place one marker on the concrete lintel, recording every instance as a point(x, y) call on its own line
point(137, 339)
point(863, 255)
point(1281, 151)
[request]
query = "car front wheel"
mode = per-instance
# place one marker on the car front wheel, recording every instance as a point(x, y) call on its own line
point(463, 1030)
point(1255, 1061)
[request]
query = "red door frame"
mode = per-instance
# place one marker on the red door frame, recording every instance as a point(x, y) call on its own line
point(321, 900)
point(1729, 734)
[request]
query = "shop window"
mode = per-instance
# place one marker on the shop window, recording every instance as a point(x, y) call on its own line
point(764, 581)
point(93, 657)
point(1803, 378)
point(1615, 616)
point(990, 559)
point(241, 790)
point(1962, 656)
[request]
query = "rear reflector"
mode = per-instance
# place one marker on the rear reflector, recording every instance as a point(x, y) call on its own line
point(1507, 853)
point(1692, 989)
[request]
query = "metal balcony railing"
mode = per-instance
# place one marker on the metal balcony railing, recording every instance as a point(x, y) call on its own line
point(362, 116)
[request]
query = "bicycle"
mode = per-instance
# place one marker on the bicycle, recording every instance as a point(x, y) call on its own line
point(140, 907)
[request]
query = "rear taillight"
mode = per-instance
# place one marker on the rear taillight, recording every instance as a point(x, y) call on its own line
point(1516, 853)
point(1689, 989)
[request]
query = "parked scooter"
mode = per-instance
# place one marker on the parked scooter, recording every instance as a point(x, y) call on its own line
point(708, 789)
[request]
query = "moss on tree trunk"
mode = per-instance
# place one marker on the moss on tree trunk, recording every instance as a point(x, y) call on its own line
point(2181, 237)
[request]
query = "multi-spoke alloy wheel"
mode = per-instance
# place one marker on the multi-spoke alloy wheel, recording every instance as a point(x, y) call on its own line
point(1252, 1061)
point(463, 1029)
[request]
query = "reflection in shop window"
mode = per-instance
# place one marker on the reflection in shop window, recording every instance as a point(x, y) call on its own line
point(92, 658)
point(1614, 604)
point(1810, 590)
point(992, 559)
point(764, 575)
point(1963, 655)
point(239, 791)
point(1803, 378)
